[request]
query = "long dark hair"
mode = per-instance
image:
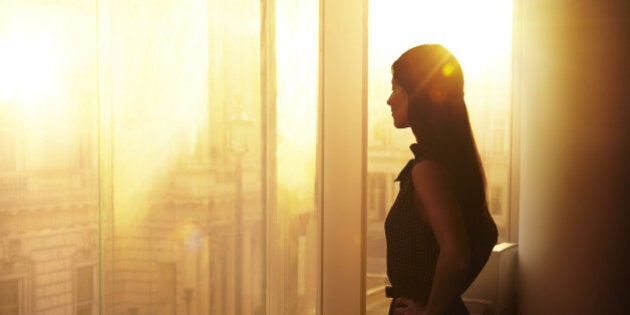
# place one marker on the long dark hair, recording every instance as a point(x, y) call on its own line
point(434, 82)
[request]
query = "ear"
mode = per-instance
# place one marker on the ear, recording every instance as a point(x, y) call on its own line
point(438, 92)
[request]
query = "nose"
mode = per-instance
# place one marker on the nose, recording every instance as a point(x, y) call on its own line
point(389, 101)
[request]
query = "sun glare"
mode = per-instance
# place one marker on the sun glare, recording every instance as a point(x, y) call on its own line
point(33, 52)
point(28, 66)
point(475, 31)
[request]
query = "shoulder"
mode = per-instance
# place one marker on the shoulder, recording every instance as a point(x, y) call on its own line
point(428, 174)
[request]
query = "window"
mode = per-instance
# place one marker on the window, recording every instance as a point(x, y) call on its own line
point(213, 154)
point(478, 33)
point(84, 287)
point(186, 131)
point(381, 193)
point(166, 289)
point(10, 297)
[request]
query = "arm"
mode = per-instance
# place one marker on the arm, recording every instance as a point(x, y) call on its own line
point(444, 214)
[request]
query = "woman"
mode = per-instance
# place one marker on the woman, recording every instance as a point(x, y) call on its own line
point(439, 231)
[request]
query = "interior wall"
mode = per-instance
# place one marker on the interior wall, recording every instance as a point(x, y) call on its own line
point(573, 100)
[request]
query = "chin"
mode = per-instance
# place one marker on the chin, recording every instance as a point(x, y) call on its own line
point(400, 125)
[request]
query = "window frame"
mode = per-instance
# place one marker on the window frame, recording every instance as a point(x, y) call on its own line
point(24, 306)
point(342, 157)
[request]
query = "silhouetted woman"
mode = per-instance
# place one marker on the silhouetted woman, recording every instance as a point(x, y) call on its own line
point(439, 231)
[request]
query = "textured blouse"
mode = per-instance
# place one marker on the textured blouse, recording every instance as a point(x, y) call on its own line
point(412, 249)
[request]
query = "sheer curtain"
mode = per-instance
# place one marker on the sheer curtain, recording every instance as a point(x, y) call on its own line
point(159, 157)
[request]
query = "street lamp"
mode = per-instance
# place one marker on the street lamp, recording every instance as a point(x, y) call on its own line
point(240, 130)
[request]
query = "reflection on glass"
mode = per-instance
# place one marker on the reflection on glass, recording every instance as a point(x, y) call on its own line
point(133, 176)
point(479, 35)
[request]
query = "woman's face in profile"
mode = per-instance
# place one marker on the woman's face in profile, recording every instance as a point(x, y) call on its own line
point(398, 102)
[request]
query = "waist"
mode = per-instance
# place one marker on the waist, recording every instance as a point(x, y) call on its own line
point(396, 292)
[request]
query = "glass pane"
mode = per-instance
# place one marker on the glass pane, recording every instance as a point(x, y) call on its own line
point(478, 33)
point(212, 160)
point(48, 184)
point(187, 212)
point(182, 132)
point(295, 258)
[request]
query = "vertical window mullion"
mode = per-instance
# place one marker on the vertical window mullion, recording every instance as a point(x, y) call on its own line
point(343, 154)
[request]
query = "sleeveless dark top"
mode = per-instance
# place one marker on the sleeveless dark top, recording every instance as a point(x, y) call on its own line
point(412, 249)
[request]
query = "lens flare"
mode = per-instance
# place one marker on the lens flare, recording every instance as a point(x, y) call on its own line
point(191, 236)
point(448, 69)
